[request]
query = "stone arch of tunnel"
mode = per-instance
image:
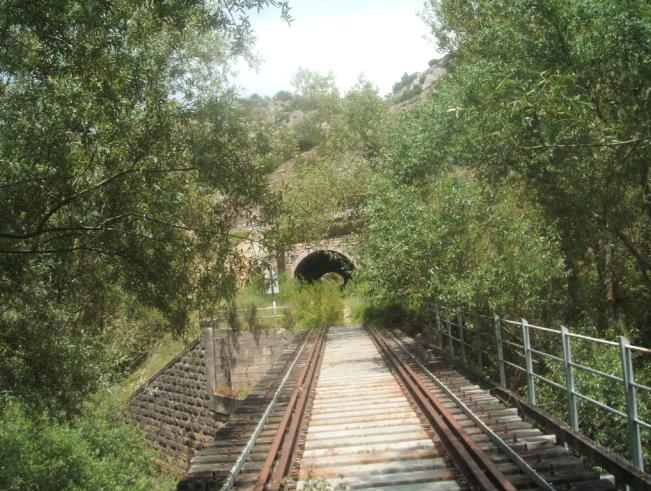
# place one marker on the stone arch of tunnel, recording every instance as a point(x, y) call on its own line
point(316, 264)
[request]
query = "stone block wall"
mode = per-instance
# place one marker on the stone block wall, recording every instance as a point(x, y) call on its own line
point(243, 357)
point(175, 408)
point(187, 401)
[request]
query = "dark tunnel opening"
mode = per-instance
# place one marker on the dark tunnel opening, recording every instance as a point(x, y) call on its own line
point(315, 265)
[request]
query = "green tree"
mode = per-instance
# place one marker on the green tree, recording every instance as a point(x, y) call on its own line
point(325, 193)
point(557, 94)
point(317, 97)
point(321, 198)
point(359, 127)
point(122, 162)
point(457, 242)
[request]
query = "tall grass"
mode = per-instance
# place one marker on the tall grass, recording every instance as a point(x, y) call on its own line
point(313, 305)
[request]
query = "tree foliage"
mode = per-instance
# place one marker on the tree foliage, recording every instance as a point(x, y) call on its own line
point(122, 163)
point(553, 96)
point(457, 242)
point(99, 451)
point(326, 188)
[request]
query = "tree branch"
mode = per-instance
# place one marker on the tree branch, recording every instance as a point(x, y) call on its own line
point(582, 145)
point(41, 229)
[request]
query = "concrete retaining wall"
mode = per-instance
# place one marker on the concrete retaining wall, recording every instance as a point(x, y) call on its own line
point(185, 403)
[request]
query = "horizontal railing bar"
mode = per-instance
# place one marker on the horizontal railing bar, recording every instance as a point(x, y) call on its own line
point(590, 338)
point(550, 382)
point(600, 404)
point(643, 423)
point(638, 348)
point(453, 338)
point(521, 346)
point(506, 362)
point(546, 329)
point(641, 386)
point(597, 372)
point(542, 353)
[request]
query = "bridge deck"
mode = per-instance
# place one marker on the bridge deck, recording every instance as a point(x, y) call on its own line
point(365, 428)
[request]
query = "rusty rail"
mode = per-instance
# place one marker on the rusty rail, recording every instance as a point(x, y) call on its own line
point(503, 446)
point(237, 466)
point(286, 436)
point(466, 453)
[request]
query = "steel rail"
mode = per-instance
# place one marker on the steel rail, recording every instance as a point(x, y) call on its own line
point(284, 442)
point(234, 471)
point(467, 454)
point(511, 454)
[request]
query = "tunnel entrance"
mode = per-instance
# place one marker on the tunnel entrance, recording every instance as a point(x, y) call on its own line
point(319, 263)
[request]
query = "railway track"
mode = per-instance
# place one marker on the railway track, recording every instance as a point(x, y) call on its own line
point(355, 410)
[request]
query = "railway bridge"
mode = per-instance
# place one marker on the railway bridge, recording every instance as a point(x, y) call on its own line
point(355, 408)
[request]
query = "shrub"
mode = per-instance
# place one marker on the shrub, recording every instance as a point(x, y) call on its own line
point(315, 304)
point(232, 316)
point(283, 95)
point(356, 308)
point(405, 81)
point(390, 315)
point(252, 316)
point(98, 450)
point(308, 133)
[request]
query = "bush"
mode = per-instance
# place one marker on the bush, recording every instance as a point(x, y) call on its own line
point(315, 304)
point(99, 450)
point(283, 95)
point(308, 133)
point(252, 317)
point(232, 316)
point(356, 308)
point(390, 316)
point(405, 81)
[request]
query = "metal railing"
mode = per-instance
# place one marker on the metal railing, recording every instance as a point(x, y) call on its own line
point(521, 349)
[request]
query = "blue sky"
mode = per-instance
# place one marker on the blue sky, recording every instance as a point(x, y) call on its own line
point(381, 39)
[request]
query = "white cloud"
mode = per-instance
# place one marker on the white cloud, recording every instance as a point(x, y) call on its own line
point(381, 39)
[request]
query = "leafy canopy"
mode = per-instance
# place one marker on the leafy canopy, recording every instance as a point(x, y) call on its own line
point(122, 163)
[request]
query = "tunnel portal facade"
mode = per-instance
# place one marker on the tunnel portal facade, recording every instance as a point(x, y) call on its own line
point(310, 262)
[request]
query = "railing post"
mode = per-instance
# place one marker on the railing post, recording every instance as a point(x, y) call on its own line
point(500, 352)
point(569, 376)
point(631, 403)
point(450, 345)
point(439, 329)
point(477, 333)
point(460, 334)
point(531, 383)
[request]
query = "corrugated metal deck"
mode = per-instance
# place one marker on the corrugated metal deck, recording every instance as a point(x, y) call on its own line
point(363, 431)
